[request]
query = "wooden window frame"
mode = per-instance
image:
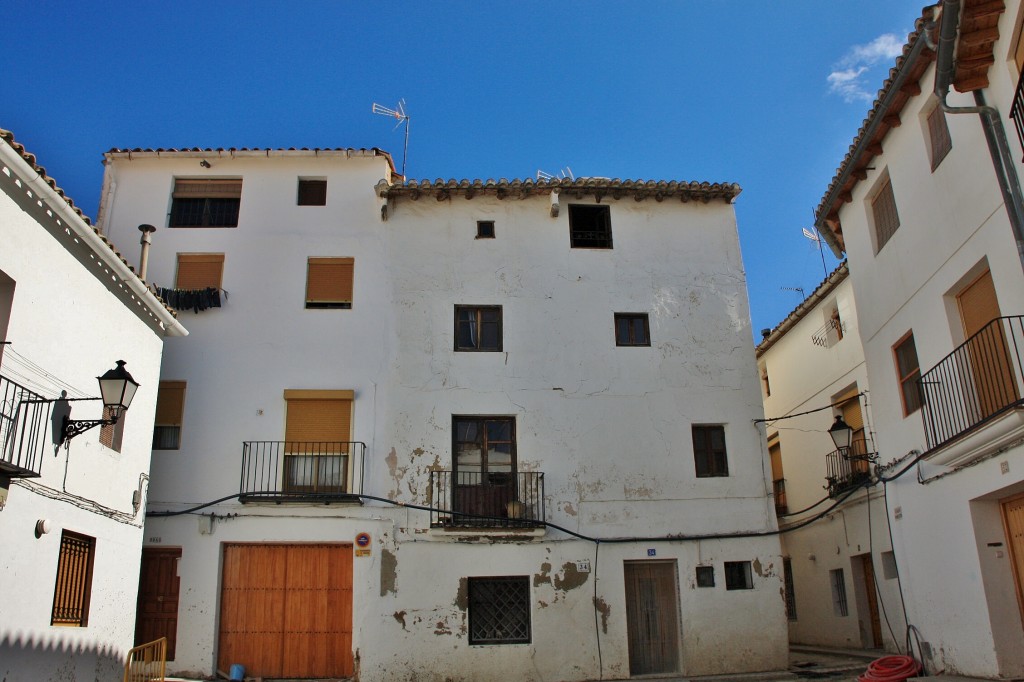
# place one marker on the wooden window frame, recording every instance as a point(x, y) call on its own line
point(311, 192)
point(626, 335)
point(477, 313)
point(590, 226)
point(205, 277)
point(709, 462)
point(205, 202)
point(481, 420)
point(884, 213)
point(939, 141)
point(484, 628)
point(72, 590)
point(738, 575)
point(911, 375)
point(334, 297)
point(169, 419)
point(485, 229)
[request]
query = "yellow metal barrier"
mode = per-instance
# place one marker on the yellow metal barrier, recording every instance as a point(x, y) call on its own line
point(147, 663)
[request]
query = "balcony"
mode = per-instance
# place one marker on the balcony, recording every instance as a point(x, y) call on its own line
point(288, 471)
point(779, 490)
point(1017, 110)
point(976, 383)
point(24, 430)
point(844, 470)
point(473, 499)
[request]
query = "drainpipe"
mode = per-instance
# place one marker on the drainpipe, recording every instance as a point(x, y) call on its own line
point(991, 122)
point(147, 239)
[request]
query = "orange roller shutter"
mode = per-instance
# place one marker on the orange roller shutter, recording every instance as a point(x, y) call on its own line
point(199, 270)
point(170, 403)
point(329, 280)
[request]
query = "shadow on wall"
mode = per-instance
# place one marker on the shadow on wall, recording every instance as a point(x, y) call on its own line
point(22, 659)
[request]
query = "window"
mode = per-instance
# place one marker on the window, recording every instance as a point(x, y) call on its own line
point(6, 304)
point(590, 227)
point(199, 270)
point(477, 328)
point(111, 435)
point(705, 576)
point(839, 605)
point(74, 580)
point(631, 329)
point(836, 323)
point(485, 229)
point(886, 219)
point(738, 575)
point(908, 371)
point(318, 428)
point(939, 142)
point(205, 203)
point(709, 451)
point(778, 481)
point(790, 592)
point(329, 282)
point(312, 192)
point(170, 406)
point(499, 610)
point(765, 383)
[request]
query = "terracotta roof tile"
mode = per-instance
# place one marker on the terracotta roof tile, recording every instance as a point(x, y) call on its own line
point(601, 187)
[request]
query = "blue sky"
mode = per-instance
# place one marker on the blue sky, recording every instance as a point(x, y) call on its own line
point(766, 94)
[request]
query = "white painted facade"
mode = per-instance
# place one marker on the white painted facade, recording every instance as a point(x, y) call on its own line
point(69, 309)
point(609, 427)
point(953, 552)
point(810, 367)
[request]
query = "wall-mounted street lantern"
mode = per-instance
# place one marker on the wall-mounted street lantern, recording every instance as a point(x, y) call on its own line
point(842, 433)
point(117, 388)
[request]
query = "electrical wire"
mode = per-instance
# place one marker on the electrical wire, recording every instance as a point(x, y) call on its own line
point(817, 409)
point(874, 578)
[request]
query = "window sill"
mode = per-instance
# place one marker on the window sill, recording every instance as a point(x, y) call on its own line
point(485, 534)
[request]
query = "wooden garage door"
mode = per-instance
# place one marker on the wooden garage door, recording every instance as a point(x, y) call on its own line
point(286, 610)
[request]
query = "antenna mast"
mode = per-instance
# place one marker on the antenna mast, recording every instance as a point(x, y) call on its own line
point(398, 113)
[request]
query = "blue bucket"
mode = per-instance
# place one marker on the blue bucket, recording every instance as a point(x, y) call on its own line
point(237, 672)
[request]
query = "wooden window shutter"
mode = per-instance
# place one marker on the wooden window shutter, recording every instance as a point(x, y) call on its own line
point(217, 188)
point(775, 451)
point(887, 220)
point(170, 403)
point(199, 270)
point(312, 193)
point(329, 280)
point(71, 593)
point(978, 304)
point(318, 417)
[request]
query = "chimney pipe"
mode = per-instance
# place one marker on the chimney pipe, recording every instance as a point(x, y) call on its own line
point(147, 239)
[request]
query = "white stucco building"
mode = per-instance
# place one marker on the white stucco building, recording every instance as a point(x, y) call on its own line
point(391, 449)
point(841, 575)
point(70, 517)
point(927, 208)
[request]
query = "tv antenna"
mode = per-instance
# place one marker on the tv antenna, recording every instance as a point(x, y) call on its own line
point(563, 174)
point(799, 290)
point(815, 236)
point(403, 118)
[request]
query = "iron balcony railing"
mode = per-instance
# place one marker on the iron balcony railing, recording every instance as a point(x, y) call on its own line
point(487, 500)
point(301, 471)
point(975, 383)
point(1017, 110)
point(24, 430)
point(779, 489)
point(847, 468)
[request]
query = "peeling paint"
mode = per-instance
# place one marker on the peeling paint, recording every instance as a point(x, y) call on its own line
point(400, 617)
point(602, 607)
point(462, 596)
point(569, 509)
point(757, 567)
point(441, 628)
point(570, 578)
point(544, 576)
point(640, 492)
point(388, 572)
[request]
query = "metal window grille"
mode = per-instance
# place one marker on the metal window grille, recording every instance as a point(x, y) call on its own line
point(787, 570)
point(839, 604)
point(74, 580)
point(705, 576)
point(485, 229)
point(738, 575)
point(499, 610)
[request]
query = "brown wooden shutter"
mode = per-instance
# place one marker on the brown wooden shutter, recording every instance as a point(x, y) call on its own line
point(938, 136)
point(312, 193)
point(199, 270)
point(318, 417)
point(978, 304)
point(329, 280)
point(852, 414)
point(887, 220)
point(170, 403)
point(207, 189)
point(775, 450)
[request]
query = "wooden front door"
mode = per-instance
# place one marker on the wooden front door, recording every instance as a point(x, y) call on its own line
point(1013, 523)
point(286, 610)
point(652, 617)
point(992, 378)
point(157, 613)
point(872, 595)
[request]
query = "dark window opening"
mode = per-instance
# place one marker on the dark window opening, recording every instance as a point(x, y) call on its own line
point(485, 229)
point(499, 610)
point(705, 576)
point(590, 227)
point(312, 193)
point(709, 451)
point(477, 328)
point(787, 570)
point(632, 329)
point(205, 203)
point(840, 607)
point(738, 575)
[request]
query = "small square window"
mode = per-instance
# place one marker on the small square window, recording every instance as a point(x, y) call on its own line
point(329, 282)
point(478, 328)
point(73, 588)
point(709, 453)
point(590, 227)
point(312, 192)
point(908, 372)
point(705, 576)
point(632, 329)
point(485, 229)
point(499, 610)
point(738, 575)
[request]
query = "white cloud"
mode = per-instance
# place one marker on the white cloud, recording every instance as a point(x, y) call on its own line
point(846, 79)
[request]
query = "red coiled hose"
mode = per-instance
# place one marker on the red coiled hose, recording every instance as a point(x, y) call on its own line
point(891, 669)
